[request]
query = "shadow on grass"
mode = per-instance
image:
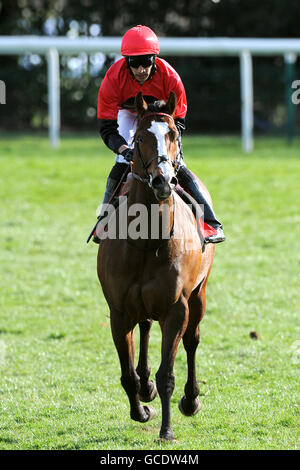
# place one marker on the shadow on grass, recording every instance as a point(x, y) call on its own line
point(8, 440)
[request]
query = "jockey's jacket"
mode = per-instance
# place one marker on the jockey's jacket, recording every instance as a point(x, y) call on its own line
point(119, 88)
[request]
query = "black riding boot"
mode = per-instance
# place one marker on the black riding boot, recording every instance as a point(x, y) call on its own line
point(112, 182)
point(188, 181)
point(109, 190)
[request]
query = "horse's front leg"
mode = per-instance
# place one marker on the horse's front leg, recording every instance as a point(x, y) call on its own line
point(173, 327)
point(189, 404)
point(124, 343)
point(148, 389)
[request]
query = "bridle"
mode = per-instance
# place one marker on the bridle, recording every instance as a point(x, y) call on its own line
point(159, 158)
point(148, 178)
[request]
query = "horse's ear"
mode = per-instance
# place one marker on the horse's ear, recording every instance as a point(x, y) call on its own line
point(140, 104)
point(171, 104)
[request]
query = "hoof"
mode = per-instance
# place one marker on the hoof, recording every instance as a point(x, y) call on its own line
point(151, 412)
point(144, 414)
point(166, 435)
point(189, 411)
point(162, 439)
point(153, 392)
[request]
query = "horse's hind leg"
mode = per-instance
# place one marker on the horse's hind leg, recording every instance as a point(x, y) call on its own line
point(189, 404)
point(130, 380)
point(147, 387)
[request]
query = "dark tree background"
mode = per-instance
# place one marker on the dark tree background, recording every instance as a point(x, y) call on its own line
point(212, 83)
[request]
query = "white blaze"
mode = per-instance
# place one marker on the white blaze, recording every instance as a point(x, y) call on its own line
point(160, 129)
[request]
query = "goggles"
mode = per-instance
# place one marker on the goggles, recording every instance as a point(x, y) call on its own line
point(143, 60)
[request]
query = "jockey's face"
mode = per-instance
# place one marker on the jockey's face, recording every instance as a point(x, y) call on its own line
point(141, 73)
point(141, 67)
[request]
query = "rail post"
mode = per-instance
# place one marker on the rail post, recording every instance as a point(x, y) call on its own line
point(53, 96)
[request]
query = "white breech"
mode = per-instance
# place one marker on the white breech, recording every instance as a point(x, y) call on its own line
point(127, 123)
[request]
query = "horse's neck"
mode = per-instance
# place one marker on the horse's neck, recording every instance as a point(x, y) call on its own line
point(140, 193)
point(159, 216)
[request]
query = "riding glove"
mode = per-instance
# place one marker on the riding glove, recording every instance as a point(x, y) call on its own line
point(128, 155)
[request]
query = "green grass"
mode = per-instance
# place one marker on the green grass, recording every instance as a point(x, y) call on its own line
point(60, 377)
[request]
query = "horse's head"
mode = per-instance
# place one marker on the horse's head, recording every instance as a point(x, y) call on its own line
point(156, 146)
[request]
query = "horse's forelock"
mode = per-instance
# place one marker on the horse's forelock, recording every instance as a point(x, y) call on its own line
point(157, 106)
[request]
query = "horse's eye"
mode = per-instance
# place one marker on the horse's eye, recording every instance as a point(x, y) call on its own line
point(139, 140)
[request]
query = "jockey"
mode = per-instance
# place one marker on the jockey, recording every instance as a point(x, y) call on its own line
point(141, 70)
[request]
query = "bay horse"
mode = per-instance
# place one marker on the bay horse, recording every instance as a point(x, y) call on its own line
point(162, 279)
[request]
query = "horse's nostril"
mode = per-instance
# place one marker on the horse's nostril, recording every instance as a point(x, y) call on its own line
point(158, 182)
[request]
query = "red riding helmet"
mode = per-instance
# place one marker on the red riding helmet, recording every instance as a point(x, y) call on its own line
point(139, 40)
